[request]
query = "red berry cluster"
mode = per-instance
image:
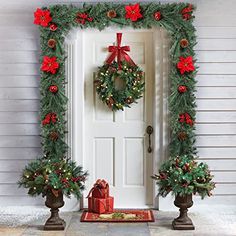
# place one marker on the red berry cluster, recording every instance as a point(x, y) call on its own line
point(50, 118)
point(187, 12)
point(185, 118)
point(83, 17)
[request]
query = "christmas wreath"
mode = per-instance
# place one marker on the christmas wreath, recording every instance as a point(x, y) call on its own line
point(119, 87)
point(120, 83)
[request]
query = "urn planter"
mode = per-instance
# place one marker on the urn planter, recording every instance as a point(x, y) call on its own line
point(54, 202)
point(183, 222)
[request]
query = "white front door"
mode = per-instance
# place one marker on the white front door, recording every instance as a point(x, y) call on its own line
point(116, 143)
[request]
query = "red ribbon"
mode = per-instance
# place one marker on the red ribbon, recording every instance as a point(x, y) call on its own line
point(100, 184)
point(119, 52)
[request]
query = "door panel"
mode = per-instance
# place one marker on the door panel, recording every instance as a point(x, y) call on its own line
point(115, 142)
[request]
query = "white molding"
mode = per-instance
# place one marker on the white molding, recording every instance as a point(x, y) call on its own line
point(74, 114)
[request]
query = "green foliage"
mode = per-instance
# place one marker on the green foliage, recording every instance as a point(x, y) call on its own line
point(116, 99)
point(43, 175)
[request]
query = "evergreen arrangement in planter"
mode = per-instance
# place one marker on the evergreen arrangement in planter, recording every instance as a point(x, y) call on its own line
point(183, 176)
point(53, 179)
point(51, 175)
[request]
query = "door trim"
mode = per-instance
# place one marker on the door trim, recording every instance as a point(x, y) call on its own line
point(75, 93)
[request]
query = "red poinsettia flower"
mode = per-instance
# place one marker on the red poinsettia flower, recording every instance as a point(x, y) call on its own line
point(42, 17)
point(50, 64)
point(185, 64)
point(133, 12)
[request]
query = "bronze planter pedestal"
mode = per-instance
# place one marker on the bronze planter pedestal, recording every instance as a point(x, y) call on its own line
point(54, 202)
point(183, 222)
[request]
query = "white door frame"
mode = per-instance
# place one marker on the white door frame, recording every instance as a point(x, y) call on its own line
point(75, 93)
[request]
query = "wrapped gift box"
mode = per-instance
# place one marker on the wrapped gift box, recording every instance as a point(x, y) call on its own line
point(101, 205)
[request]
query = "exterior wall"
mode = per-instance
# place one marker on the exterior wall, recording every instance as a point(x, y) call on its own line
point(19, 94)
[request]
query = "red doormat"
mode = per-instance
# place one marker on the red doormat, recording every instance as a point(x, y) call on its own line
point(132, 216)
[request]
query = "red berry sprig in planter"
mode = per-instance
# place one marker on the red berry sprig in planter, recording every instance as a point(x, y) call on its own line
point(53, 89)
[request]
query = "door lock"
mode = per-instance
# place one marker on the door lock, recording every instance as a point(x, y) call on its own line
point(149, 131)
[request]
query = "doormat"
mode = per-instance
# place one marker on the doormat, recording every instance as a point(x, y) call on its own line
point(119, 216)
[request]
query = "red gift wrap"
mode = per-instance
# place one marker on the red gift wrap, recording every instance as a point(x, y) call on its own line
point(101, 205)
point(100, 189)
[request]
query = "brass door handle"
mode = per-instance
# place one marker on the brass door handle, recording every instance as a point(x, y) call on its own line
point(149, 131)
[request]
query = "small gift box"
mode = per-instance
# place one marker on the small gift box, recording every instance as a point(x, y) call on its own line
point(100, 189)
point(101, 205)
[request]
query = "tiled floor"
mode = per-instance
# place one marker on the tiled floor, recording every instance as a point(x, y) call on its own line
point(217, 223)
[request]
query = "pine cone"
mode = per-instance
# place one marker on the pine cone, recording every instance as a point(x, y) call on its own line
point(110, 102)
point(184, 43)
point(182, 136)
point(54, 135)
point(111, 14)
point(52, 43)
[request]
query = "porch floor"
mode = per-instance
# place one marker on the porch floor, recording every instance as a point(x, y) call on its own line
point(209, 221)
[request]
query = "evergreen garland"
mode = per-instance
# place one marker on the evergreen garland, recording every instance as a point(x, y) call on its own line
point(54, 24)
